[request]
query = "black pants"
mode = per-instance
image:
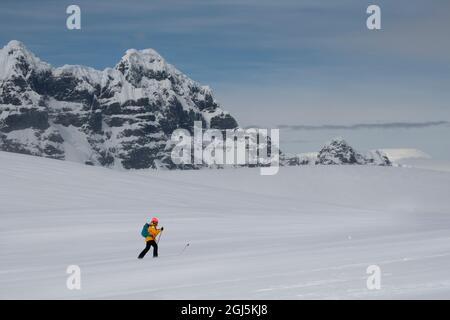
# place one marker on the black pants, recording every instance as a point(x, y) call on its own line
point(151, 243)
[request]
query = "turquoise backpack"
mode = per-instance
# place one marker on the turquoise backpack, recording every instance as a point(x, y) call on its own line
point(144, 231)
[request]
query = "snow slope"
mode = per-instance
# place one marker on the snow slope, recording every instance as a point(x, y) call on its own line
point(308, 232)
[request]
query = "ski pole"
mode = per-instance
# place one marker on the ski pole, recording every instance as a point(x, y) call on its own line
point(159, 237)
point(187, 245)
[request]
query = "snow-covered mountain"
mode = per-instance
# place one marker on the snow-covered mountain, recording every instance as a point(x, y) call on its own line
point(338, 151)
point(119, 117)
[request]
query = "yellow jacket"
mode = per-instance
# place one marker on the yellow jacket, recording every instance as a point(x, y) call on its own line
point(152, 232)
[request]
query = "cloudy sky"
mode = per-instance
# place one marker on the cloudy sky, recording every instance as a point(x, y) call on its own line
point(304, 65)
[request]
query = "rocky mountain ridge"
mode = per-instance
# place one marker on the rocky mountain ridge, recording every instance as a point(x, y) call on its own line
point(121, 117)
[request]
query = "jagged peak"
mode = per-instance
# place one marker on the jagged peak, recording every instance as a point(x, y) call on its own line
point(146, 58)
point(143, 54)
point(338, 143)
point(136, 65)
point(338, 151)
point(15, 44)
point(17, 60)
point(16, 49)
point(337, 140)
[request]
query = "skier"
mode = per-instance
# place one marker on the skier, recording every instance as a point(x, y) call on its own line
point(152, 232)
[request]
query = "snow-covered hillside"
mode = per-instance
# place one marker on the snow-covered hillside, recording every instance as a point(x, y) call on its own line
point(307, 232)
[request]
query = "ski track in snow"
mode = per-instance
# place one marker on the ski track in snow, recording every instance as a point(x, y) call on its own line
point(307, 233)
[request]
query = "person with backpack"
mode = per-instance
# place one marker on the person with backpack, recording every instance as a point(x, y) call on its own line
point(150, 232)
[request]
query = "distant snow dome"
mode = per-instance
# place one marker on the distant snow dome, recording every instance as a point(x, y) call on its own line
point(405, 153)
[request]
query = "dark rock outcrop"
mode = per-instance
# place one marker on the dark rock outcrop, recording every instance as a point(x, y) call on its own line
point(339, 152)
